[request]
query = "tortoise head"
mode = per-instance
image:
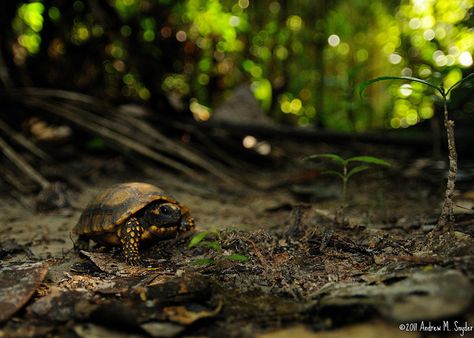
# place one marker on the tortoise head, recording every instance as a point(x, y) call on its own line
point(162, 215)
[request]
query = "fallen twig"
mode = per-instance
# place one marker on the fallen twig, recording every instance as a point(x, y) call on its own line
point(23, 141)
point(23, 165)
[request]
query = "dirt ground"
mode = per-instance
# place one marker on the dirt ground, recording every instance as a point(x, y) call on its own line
point(295, 271)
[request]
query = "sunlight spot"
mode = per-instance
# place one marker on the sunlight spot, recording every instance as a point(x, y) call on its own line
point(295, 105)
point(234, 21)
point(334, 40)
point(440, 58)
point(427, 21)
point(249, 141)
point(414, 23)
point(281, 52)
point(412, 117)
point(440, 33)
point(407, 71)
point(395, 122)
point(82, 33)
point(405, 90)
point(450, 60)
point(181, 36)
point(395, 58)
point(294, 23)
point(263, 148)
point(256, 71)
point(424, 71)
point(454, 51)
point(285, 107)
point(343, 48)
point(144, 93)
point(243, 3)
point(465, 59)
point(200, 112)
point(428, 34)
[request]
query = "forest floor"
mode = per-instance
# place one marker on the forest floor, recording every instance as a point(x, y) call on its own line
point(382, 272)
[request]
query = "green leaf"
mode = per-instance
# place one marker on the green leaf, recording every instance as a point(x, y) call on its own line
point(211, 245)
point(369, 159)
point(333, 157)
point(356, 170)
point(237, 257)
point(363, 86)
point(470, 76)
point(334, 173)
point(197, 239)
point(202, 261)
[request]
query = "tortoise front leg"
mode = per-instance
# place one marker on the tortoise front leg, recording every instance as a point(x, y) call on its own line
point(130, 235)
point(82, 243)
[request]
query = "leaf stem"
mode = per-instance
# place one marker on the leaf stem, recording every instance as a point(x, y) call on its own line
point(446, 219)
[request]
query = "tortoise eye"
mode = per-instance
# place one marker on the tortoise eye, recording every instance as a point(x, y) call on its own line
point(165, 210)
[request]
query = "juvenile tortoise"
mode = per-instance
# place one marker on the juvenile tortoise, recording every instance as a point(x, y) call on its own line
point(126, 214)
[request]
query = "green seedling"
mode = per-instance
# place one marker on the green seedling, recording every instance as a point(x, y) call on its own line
point(446, 219)
point(199, 240)
point(346, 172)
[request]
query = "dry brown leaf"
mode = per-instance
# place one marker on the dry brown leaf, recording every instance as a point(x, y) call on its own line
point(18, 282)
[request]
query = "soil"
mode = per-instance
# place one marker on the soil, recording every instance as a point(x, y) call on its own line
point(279, 259)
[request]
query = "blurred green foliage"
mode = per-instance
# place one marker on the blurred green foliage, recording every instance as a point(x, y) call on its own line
point(302, 59)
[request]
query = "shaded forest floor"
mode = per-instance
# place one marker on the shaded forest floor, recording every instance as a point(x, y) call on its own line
point(306, 275)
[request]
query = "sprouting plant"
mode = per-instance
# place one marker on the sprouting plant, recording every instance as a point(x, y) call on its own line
point(346, 172)
point(446, 218)
point(215, 246)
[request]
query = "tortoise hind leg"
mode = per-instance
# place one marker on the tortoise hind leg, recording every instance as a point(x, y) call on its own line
point(130, 234)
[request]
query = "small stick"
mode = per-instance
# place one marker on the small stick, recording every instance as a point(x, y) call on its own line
point(23, 165)
point(23, 141)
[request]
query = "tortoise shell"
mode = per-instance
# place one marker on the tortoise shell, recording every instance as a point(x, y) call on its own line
point(111, 208)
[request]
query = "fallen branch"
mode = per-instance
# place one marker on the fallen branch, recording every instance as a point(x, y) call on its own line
point(133, 129)
point(314, 135)
point(115, 139)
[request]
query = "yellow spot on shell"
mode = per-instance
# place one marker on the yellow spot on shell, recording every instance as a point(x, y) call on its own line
point(132, 234)
point(132, 240)
point(128, 229)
